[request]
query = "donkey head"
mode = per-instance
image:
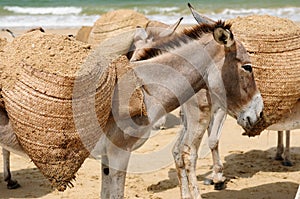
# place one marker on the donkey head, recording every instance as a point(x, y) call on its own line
point(243, 99)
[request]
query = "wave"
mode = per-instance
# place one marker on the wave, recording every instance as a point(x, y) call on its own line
point(76, 16)
point(158, 10)
point(44, 10)
point(271, 11)
point(47, 21)
point(292, 13)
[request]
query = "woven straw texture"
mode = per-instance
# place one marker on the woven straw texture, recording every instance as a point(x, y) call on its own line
point(114, 23)
point(3, 42)
point(40, 71)
point(274, 46)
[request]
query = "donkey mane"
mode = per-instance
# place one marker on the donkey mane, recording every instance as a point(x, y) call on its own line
point(176, 40)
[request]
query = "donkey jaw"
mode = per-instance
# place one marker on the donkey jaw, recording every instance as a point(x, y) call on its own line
point(252, 113)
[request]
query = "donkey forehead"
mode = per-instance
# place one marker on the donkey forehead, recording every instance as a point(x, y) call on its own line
point(241, 53)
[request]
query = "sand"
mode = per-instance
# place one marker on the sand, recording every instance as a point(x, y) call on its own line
point(249, 166)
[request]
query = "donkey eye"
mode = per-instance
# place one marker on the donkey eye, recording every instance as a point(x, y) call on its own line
point(247, 67)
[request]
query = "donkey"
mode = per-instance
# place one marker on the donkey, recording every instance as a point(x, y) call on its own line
point(194, 129)
point(195, 115)
point(204, 57)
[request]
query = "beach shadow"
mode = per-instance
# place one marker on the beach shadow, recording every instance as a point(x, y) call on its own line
point(278, 190)
point(170, 183)
point(164, 185)
point(245, 165)
point(33, 185)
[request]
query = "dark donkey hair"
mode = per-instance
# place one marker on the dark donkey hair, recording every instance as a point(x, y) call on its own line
point(176, 40)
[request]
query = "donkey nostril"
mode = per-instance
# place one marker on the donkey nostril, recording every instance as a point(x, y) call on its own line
point(248, 120)
point(261, 114)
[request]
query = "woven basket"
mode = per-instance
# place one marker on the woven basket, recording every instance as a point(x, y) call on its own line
point(114, 23)
point(40, 104)
point(3, 42)
point(273, 44)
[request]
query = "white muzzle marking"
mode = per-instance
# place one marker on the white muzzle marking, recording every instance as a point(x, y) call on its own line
point(252, 113)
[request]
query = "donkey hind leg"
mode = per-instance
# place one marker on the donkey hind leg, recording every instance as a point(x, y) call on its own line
point(283, 154)
point(280, 147)
point(11, 184)
point(286, 154)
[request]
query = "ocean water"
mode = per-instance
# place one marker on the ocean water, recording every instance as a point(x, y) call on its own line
point(76, 13)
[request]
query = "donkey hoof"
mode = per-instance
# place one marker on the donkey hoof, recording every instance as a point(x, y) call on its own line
point(287, 163)
point(13, 184)
point(278, 157)
point(208, 181)
point(220, 186)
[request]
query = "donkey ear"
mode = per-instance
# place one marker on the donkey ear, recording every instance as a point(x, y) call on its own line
point(140, 34)
point(171, 29)
point(200, 18)
point(223, 36)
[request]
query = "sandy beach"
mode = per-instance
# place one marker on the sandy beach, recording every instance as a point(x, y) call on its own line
point(249, 164)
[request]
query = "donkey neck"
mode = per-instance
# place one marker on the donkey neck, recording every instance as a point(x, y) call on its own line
point(173, 77)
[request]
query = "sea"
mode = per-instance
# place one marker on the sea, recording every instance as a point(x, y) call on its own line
point(77, 13)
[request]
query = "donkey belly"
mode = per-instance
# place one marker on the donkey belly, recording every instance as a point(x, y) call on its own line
point(290, 121)
point(8, 140)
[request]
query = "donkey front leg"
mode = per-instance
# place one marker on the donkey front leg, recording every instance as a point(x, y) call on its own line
point(214, 133)
point(106, 180)
point(114, 167)
point(11, 184)
point(195, 117)
point(217, 175)
point(178, 155)
point(185, 156)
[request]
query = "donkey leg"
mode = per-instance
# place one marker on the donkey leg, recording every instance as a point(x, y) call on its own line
point(192, 177)
point(11, 184)
point(115, 171)
point(106, 180)
point(195, 117)
point(287, 155)
point(181, 167)
point(214, 133)
point(279, 149)
point(217, 174)
point(185, 156)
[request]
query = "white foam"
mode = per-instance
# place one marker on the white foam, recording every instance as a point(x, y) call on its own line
point(74, 17)
point(47, 21)
point(44, 10)
point(292, 13)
